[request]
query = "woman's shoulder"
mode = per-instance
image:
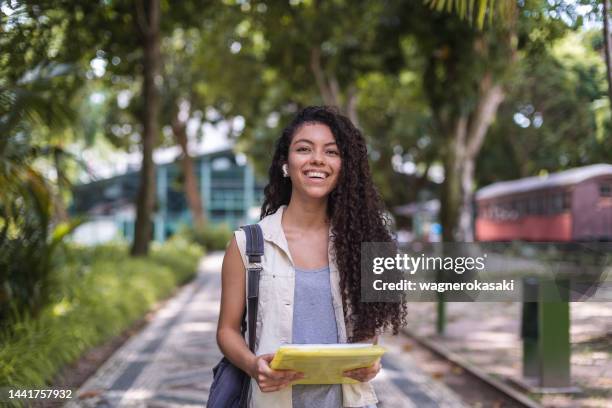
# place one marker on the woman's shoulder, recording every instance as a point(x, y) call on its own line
point(270, 227)
point(240, 238)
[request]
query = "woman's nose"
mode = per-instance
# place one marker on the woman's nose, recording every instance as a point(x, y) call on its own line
point(318, 157)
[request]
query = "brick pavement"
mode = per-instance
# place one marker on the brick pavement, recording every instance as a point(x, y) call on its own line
point(169, 363)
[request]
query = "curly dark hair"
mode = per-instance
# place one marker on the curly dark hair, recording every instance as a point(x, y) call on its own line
point(356, 215)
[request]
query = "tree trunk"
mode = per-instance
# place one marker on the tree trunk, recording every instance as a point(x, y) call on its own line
point(466, 214)
point(329, 88)
point(491, 96)
point(521, 156)
point(148, 17)
point(467, 138)
point(351, 105)
point(608, 51)
point(450, 200)
point(61, 215)
point(329, 98)
point(192, 194)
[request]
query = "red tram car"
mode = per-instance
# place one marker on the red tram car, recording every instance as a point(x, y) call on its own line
point(572, 205)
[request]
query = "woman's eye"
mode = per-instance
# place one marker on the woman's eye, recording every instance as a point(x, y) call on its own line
point(333, 152)
point(303, 149)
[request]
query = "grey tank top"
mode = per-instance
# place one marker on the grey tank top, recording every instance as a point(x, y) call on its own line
point(314, 322)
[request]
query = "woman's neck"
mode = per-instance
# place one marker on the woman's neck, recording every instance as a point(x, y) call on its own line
point(305, 214)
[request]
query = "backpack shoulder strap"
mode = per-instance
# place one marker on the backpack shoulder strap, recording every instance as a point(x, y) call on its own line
point(254, 252)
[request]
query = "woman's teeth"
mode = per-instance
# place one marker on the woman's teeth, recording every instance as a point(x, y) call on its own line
point(316, 174)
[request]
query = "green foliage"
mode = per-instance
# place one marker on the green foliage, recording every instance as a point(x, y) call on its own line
point(396, 119)
point(475, 10)
point(412, 67)
point(214, 237)
point(35, 106)
point(555, 115)
point(99, 292)
point(179, 255)
point(28, 242)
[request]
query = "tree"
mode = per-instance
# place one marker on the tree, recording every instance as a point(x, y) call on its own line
point(462, 82)
point(194, 44)
point(396, 119)
point(608, 46)
point(148, 21)
point(465, 82)
point(475, 11)
point(548, 121)
point(192, 74)
point(179, 100)
point(325, 45)
point(334, 53)
point(599, 10)
point(30, 84)
point(91, 30)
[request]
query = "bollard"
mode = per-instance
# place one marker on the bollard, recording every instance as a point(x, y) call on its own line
point(441, 315)
point(554, 335)
point(529, 330)
point(441, 304)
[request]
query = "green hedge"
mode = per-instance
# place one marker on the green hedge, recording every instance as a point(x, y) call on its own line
point(99, 292)
point(214, 237)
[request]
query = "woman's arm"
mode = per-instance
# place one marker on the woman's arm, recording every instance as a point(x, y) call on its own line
point(229, 337)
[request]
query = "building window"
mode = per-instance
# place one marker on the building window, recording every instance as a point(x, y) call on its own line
point(112, 192)
point(605, 190)
point(557, 203)
point(522, 207)
point(567, 200)
point(533, 202)
point(221, 164)
point(542, 204)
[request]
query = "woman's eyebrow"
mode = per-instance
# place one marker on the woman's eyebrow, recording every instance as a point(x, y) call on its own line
point(303, 141)
point(310, 142)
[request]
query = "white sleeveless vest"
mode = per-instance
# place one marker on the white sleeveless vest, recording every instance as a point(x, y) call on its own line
point(275, 311)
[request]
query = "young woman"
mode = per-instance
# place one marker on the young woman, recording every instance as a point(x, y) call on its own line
point(320, 205)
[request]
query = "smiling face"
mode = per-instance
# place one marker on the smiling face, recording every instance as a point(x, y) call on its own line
point(314, 161)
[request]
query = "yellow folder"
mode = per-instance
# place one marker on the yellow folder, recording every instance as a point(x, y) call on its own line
point(325, 363)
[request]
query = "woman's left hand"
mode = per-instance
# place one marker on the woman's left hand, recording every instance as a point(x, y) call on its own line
point(364, 374)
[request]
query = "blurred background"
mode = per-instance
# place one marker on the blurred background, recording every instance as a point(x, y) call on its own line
point(136, 135)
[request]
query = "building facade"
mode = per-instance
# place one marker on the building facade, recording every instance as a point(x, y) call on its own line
point(229, 190)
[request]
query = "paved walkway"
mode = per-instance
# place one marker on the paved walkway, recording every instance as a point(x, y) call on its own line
point(488, 336)
point(169, 363)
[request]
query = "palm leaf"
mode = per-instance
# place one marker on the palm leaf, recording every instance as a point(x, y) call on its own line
point(475, 10)
point(32, 99)
point(482, 9)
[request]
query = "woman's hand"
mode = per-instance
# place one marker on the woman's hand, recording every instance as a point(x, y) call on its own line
point(364, 374)
point(270, 380)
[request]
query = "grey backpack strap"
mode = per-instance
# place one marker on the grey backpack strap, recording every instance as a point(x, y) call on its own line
point(254, 252)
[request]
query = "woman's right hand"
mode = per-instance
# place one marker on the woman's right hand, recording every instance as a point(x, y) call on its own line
point(270, 380)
